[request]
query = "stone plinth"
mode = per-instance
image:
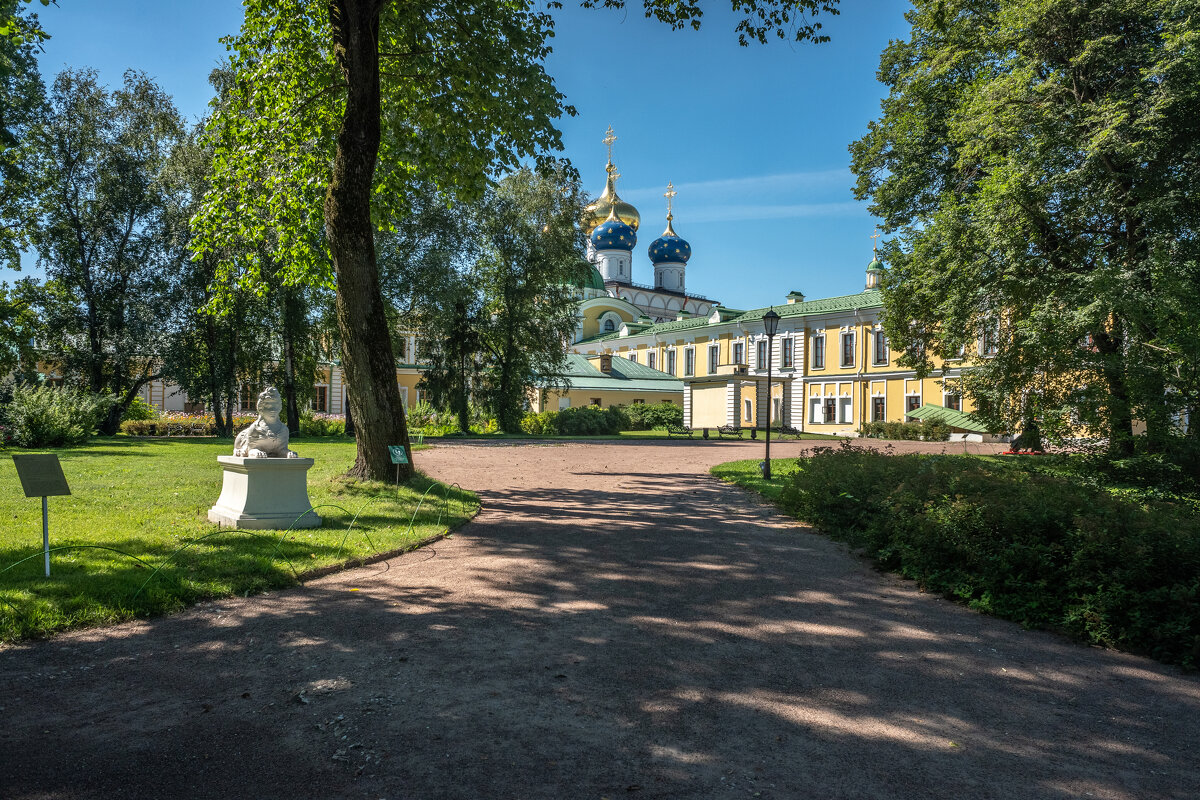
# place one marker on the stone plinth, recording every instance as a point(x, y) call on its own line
point(264, 494)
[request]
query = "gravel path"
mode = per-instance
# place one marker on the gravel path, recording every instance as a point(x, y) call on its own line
point(614, 624)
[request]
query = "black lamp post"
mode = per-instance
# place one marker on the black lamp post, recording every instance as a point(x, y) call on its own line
point(770, 325)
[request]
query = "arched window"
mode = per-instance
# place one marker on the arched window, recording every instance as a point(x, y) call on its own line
point(609, 326)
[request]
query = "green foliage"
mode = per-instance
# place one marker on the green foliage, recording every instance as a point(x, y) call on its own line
point(1036, 161)
point(925, 430)
point(102, 233)
point(653, 416)
point(22, 102)
point(139, 409)
point(507, 325)
point(577, 421)
point(44, 416)
point(314, 424)
point(1042, 549)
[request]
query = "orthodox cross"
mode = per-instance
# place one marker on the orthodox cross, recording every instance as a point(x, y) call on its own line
point(875, 244)
point(609, 138)
point(670, 195)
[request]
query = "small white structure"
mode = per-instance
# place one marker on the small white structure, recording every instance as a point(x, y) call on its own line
point(264, 494)
point(264, 484)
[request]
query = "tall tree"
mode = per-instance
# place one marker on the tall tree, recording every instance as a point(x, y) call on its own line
point(1036, 159)
point(22, 103)
point(100, 229)
point(526, 277)
point(445, 93)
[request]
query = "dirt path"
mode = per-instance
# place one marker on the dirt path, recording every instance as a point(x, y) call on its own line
point(614, 624)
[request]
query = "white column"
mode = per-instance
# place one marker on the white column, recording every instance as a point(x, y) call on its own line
point(687, 404)
point(733, 401)
point(785, 414)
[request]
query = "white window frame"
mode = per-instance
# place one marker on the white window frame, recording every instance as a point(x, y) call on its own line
point(714, 358)
point(748, 406)
point(689, 361)
point(842, 350)
point(672, 362)
point(887, 351)
point(818, 349)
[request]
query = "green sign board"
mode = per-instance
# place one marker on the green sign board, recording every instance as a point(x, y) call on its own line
point(398, 454)
point(41, 475)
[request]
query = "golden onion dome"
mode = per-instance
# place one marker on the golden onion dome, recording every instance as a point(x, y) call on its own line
point(607, 203)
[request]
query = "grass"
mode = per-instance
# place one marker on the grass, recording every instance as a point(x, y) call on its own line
point(148, 498)
point(748, 474)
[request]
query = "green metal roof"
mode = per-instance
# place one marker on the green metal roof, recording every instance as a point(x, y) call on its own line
point(628, 376)
point(955, 419)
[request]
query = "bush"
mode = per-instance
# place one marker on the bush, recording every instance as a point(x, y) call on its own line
point(579, 421)
point(652, 416)
point(925, 430)
point(1040, 549)
point(589, 421)
point(139, 409)
point(426, 419)
point(178, 423)
point(54, 417)
point(539, 424)
point(317, 424)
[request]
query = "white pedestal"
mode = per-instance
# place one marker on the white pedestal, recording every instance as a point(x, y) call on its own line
point(264, 494)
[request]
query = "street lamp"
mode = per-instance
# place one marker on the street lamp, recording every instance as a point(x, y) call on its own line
point(770, 325)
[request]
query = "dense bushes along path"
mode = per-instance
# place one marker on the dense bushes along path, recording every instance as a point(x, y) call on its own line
point(614, 623)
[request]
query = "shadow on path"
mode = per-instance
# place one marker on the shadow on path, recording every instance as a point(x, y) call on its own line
point(618, 633)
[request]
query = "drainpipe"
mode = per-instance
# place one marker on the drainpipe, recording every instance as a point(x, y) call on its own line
point(862, 365)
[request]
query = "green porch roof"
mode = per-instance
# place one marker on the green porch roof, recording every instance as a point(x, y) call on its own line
point(627, 376)
point(955, 419)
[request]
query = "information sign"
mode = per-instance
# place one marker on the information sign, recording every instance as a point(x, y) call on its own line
point(41, 475)
point(398, 454)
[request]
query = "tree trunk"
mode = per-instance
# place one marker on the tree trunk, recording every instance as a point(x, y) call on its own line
point(367, 358)
point(289, 367)
point(214, 387)
point(1120, 413)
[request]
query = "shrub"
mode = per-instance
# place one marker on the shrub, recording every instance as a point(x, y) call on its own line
point(652, 416)
point(589, 421)
point(424, 418)
point(316, 424)
point(139, 409)
point(925, 430)
point(538, 424)
point(54, 417)
point(1037, 548)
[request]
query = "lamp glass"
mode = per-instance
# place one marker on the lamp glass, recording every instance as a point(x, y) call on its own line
point(771, 322)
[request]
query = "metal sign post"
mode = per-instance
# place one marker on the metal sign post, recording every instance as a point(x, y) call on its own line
point(396, 451)
point(42, 476)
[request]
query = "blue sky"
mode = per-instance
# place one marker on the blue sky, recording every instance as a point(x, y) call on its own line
point(753, 138)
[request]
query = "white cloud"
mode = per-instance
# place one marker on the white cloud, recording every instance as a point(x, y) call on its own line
point(757, 186)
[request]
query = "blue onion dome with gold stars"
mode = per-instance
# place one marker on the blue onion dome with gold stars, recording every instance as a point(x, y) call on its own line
point(670, 248)
point(613, 234)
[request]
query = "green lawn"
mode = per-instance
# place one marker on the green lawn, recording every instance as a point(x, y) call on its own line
point(149, 499)
point(748, 474)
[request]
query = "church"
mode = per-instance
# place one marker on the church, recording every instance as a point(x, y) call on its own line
point(832, 369)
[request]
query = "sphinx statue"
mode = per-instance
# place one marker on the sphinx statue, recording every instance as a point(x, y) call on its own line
point(266, 437)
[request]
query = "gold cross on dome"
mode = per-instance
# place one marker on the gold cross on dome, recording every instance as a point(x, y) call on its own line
point(670, 195)
point(609, 138)
point(873, 237)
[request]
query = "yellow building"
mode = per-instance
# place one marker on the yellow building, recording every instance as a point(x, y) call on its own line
point(604, 381)
point(832, 368)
